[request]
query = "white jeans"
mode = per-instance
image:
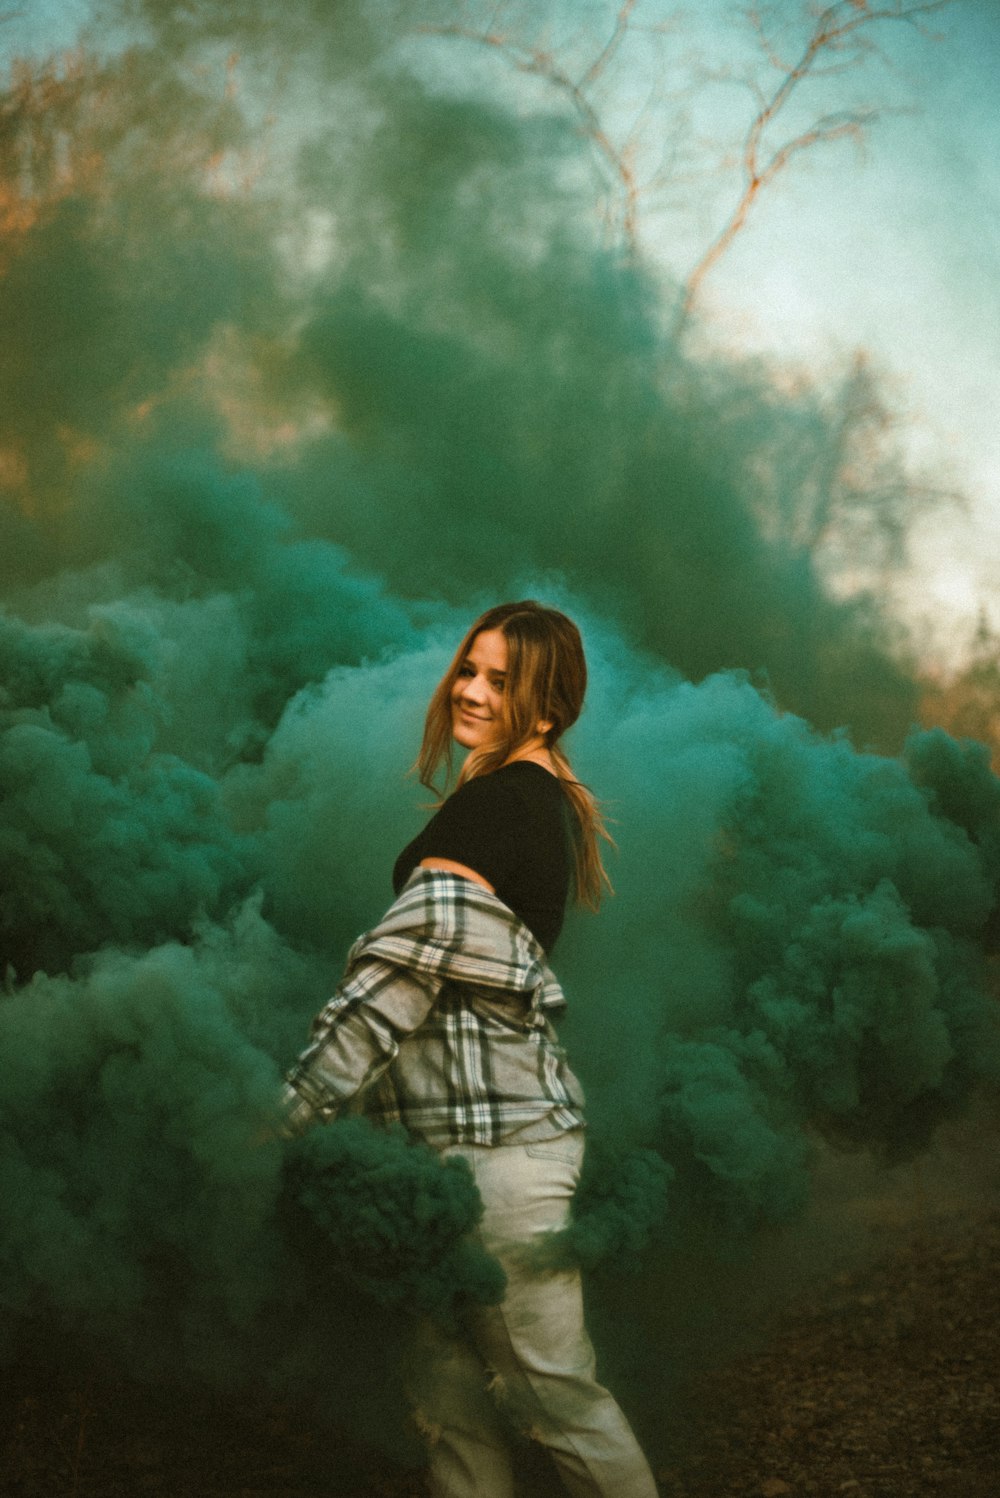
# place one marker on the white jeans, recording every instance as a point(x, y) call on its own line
point(531, 1353)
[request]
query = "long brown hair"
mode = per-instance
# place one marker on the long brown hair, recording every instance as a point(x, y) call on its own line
point(546, 680)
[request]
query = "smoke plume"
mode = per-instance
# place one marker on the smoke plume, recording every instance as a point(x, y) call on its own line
point(305, 363)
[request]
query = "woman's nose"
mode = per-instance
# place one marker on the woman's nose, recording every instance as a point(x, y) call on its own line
point(474, 689)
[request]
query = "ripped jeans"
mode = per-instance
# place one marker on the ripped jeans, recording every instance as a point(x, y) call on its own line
point(529, 1359)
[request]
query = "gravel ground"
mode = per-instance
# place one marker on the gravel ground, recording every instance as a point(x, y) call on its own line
point(879, 1378)
point(885, 1387)
point(882, 1383)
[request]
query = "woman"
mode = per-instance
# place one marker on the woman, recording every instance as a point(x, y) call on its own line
point(443, 1021)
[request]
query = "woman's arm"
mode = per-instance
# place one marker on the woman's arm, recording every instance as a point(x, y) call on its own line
point(393, 977)
point(353, 1040)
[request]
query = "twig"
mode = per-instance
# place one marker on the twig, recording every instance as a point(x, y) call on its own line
point(836, 30)
point(539, 62)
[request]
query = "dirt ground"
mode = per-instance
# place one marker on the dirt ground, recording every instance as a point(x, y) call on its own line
point(881, 1380)
point(888, 1386)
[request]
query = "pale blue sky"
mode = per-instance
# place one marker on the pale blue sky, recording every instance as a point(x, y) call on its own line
point(899, 252)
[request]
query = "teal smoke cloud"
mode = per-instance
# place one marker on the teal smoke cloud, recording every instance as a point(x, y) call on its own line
point(250, 507)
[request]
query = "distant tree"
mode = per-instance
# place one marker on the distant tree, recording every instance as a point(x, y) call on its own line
point(791, 51)
point(840, 39)
point(966, 700)
point(577, 82)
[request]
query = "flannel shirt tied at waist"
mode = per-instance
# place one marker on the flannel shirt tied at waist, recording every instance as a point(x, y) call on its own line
point(442, 1020)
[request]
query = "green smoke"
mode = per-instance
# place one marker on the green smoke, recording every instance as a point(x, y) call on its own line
point(254, 493)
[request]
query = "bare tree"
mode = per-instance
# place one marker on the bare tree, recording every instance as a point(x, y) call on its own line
point(840, 39)
point(965, 700)
point(579, 87)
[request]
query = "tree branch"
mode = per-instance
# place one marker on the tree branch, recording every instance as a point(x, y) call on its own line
point(539, 62)
point(837, 29)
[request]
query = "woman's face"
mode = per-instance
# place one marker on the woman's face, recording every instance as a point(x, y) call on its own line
point(477, 695)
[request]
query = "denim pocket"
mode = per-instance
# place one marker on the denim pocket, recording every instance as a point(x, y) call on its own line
point(567, 1147)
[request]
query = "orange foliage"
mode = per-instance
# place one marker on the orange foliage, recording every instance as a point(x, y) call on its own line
point(967, 702)
point(68, 120)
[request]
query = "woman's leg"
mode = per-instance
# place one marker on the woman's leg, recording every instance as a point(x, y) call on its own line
point(535, 1342)
point(467, 1441)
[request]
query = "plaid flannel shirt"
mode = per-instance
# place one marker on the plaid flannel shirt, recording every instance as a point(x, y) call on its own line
point(442, 1020)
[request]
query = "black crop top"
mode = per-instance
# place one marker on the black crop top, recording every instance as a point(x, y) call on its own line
point(510, 826)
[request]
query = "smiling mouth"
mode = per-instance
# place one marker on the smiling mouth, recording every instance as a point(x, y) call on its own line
point(471, 717)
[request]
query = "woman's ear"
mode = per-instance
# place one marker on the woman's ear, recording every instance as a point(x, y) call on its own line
point(543, 726)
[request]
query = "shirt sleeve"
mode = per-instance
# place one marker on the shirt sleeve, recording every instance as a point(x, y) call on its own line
point(480, 825)
point(354, 1039)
